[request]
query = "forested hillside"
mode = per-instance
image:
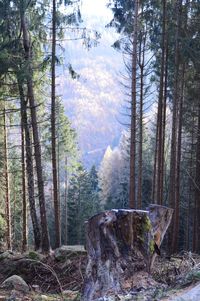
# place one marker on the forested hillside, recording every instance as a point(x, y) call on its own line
point(100, 110)
point(97, 90)
point(161, 48)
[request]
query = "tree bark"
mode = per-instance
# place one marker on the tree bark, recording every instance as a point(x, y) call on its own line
point(196, 244)
point(119, 242)
point(7, 189)
point(153, 194)
point(140, 151)
point(176, 95)
point(24, 204)
point(177, 187)
point(29, 168)
point(164, 126)
point(161, 115)
point(53, 132)
point(190, 196)
point(132, 201)
point(45, 244)
point(65, 205)
point(13, 215)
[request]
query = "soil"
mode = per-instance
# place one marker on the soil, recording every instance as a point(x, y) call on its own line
point(47, 276)
point(50, 275)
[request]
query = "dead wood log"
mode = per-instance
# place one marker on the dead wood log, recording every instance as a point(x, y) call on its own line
point(120, 242)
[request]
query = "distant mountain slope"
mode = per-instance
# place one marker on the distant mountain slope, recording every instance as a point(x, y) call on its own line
point(94, 101)
point(93, 104)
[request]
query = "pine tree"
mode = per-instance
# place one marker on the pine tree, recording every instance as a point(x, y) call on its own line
point(53, 131)
point(24, 203)
point(7, 188)
point(37, 147)
point(29, 166)
point(174, 172)
point(83, 202)
point(132, 195)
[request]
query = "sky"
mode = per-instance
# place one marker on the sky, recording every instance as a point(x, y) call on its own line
point(91, 7)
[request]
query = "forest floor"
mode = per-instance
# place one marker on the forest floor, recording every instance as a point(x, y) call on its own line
point(59, 277)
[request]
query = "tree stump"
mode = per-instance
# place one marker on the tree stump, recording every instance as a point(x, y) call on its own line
point(120, 242)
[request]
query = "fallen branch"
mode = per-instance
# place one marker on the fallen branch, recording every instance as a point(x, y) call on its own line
point(47, 267)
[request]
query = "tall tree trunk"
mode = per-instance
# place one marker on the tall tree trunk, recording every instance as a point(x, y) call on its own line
point(7, 188)
point(24, 204)
point(132, 201)
point(194, 215)
point(139, 189)
point(65, 205)
point(196, 244)
point(140, 161)
point(13, 215)
point(176, 95)
point(177, 180)
point(190, 184)
point(164, 125)
point(190, 194)
point(58, 161)
point(161, 118)
point(78, 211)
point(37, 148)
point(29, 168)
point(154, 193)
point(53, 132)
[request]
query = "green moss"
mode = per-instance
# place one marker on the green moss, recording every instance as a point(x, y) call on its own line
point(151, 246)
point(33, 255)
point(143, 228)
point(147, 224)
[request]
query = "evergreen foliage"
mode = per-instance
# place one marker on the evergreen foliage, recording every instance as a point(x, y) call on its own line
point(83, 202)
point(163, 40)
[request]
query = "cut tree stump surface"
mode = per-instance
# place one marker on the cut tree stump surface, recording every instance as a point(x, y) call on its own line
point(119, 243)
